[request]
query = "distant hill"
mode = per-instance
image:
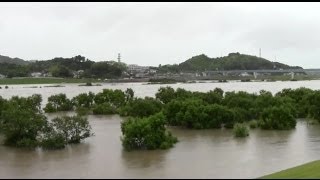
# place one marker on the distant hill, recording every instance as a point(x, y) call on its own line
point(77, 66)
point(9, 60)
point(234, 61)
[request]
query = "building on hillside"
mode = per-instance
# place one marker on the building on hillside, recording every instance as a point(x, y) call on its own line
point(2, 76)
point(137, 68)
point(77, 74)
point(36, 74)
point(245, 74)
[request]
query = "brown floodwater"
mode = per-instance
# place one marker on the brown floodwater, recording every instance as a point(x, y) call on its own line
point(198, 154)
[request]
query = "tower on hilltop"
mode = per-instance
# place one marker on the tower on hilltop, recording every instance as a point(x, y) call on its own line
point(119, 58)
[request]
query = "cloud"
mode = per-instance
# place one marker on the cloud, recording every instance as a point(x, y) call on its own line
point(160, 33)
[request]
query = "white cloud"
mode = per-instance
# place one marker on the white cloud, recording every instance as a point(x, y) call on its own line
point(161, 33)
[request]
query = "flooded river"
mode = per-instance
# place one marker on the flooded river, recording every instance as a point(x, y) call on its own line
point(198, 154)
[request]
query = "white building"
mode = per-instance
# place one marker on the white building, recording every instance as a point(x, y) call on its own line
point(36, 74)
point(137, 68)
point(2, 76)
point(77, 74)
point(245, 74)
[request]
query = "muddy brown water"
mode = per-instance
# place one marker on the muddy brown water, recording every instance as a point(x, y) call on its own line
point(198, 154)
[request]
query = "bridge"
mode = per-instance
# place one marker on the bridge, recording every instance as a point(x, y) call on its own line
point(261, 71)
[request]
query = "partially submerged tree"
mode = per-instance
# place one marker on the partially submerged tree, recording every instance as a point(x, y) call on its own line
point(58, 102)
point(146, 133)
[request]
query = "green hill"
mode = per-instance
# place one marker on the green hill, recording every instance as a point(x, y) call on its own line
point(9, 60)
point(234, 61)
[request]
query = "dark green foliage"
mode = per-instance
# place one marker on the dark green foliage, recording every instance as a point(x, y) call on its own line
point(184, 94)
point(218, 91)
point(84, 100)
point(220, 115)
point(115, 98)
point(165, 94)
point(107, 69)
point(21, 121)
point(82, 111)
point(139, 107)
point(24, 143)
point(313, 105)
point(73, 128)
point(146, 133)
point(176, 112)
point(253, 124)
point(104, 108)
point(213, 97)
point(53, 140)
point(129, 94)
point(13, 70)
point(60, 71)
point(23, 124)
point(278, 117)
point(234, 61)
point(240, 99)
point(195, 113)
point(58, 102)
point(240, 130)
point(299, 97)
point(61, 67)
point(241, 115)
point(194, 110)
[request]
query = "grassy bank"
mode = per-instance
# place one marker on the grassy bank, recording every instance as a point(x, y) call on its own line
point(7, 81)
point(309, 170)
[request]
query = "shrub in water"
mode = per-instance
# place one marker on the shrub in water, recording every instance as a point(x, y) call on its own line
point(240, 130)
point(73, 128)
point(146, 133)
point(253, 124)
point(53, 140)
point(58, 102)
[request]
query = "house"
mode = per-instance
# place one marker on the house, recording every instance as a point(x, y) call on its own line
point(36, 74)
point(204, 74)
point(245, 74)
point(137, 68)
point(77, 74)
point(2, 76)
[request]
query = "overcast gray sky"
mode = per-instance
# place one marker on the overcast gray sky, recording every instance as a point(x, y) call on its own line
point(161, 33)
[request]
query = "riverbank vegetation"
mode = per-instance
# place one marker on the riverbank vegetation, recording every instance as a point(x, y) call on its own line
point(77, 66)
point(23, 124)
point(45, 80)
point(146, 133)
point(170, 107)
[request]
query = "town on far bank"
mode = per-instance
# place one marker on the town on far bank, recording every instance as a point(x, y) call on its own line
point(80, 69)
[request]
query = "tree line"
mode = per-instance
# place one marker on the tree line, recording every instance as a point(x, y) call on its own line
point(64, 67)
point(145, 119)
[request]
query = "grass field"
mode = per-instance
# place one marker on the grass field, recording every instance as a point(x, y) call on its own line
point(305, 171)
point(8, 81)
